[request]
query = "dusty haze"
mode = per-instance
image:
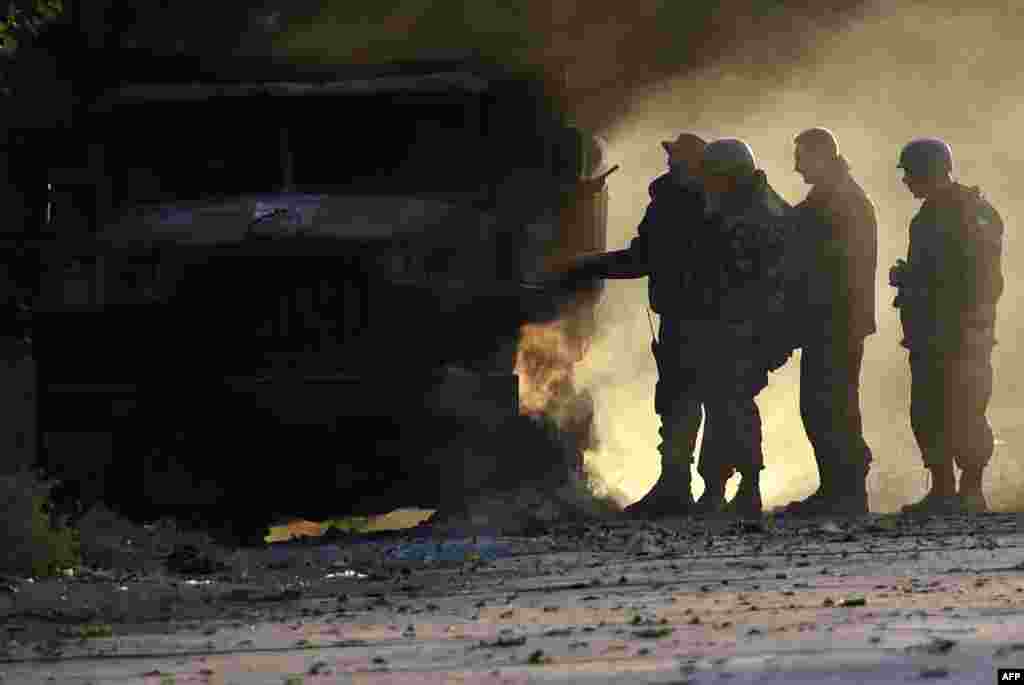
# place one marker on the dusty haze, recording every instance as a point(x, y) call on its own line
point(763, 70)
point(881, 81)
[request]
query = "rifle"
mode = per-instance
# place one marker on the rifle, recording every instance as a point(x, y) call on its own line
point(594, 185)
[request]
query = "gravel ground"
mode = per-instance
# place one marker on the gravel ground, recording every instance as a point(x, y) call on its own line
point(884, 599)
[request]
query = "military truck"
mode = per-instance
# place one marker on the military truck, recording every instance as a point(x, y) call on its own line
point(269, 290)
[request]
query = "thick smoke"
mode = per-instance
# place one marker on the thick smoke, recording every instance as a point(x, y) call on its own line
point(878, 74)
point(893, 75)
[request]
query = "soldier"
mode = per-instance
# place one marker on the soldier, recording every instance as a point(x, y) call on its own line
point(741, 284)
point(833, 300)
point(663, 243)
point(948, 289)
point(660, 252)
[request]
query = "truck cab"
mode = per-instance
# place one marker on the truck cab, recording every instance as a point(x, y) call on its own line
point(265, 291)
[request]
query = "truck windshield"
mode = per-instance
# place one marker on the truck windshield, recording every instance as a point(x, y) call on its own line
point(372, 144)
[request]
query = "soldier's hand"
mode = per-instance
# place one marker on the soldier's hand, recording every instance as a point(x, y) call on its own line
point(897, 274)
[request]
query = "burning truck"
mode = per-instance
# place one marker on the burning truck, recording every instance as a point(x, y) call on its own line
point(307, 293)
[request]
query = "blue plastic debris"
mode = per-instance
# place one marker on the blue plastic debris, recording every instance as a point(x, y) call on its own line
point(480, 549)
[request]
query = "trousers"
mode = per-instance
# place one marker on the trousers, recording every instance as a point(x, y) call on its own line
point(713, 374)
point(830, 407)
point(949, 395)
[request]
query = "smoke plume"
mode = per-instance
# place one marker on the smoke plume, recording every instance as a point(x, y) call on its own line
point(895, 73)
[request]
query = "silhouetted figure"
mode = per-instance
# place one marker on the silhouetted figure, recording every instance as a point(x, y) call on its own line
point(832, 302)
point(665, 245)
point(734, 341)
point(948, 289)
point(663, 251)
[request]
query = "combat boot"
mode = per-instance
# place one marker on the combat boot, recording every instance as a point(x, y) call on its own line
point(747, 502)
point(851, 500)
point(816, 505)
point(942, 499)
point(934, 504)
point(712, 501)
point(670, 496)
point(972, 497)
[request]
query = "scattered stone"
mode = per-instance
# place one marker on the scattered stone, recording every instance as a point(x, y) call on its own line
point(320, 668)
point(653, 633)
point(189, 560)
point(934, 673)
point(538, 658)
point(558, 632)
point(506, 641)
point(1008, 650)
point(937, 646)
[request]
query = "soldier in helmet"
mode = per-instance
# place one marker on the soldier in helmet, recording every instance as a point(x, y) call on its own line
point(715, 279)
point(833, 294)
point(948, 288)
point(741, 285)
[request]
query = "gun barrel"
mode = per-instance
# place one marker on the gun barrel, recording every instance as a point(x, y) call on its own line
point(608, 173)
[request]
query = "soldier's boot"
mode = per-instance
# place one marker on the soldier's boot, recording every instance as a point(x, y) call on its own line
point(817, 504)
point(942, 499)
point(837, 496)
point(712, 501)
point(747, 502)
point(670, 496)
point(971, 496)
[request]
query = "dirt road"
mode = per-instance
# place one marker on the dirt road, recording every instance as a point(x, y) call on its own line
point(884, 600)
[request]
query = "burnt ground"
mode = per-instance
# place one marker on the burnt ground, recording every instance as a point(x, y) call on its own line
point(883, 599)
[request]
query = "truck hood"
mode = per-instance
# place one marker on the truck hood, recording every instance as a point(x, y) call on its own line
point(357, 218)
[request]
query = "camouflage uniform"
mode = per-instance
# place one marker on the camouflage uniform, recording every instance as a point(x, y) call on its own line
point(832, 300)
point(740, 283)
point(947, 301)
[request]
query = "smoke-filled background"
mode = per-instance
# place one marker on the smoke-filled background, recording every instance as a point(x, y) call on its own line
point(876, 73)
point(879, 81)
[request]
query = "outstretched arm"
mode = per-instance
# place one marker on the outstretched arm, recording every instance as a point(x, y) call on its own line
point(617, 264)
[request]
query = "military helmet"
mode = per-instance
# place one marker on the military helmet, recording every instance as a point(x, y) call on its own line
point(926, 157)
point(728, 156)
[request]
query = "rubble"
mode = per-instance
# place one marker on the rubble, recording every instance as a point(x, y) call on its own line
point(362, 595)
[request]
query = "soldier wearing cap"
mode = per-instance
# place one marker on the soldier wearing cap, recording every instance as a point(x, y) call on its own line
point(664, 243)
point(741, 288)
point(948, 288)
point(661, 252)
point(832, 297)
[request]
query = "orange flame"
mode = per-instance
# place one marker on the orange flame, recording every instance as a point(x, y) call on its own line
point(545, 362)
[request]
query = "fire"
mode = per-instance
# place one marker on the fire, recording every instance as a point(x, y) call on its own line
point(545, 362)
